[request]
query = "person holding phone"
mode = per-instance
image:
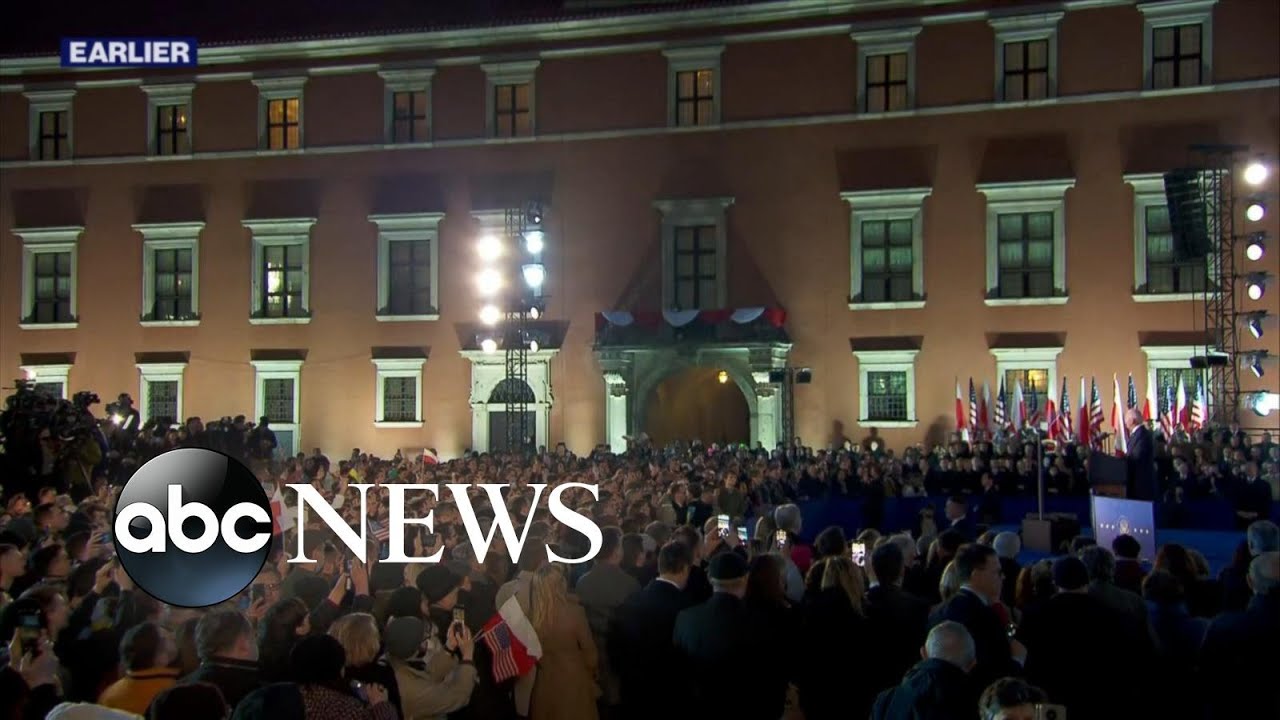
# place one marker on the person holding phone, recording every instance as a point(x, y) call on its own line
point(430, 683)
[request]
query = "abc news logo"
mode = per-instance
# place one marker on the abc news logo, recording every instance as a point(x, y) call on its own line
point(193, 527)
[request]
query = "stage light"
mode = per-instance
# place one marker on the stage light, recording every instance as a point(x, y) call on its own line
point(723, 377)
point(1255, 360)
point(1253, 322)
point(1255, 210)
point(533, 346)
point(534, 274)
point(534, 215)
point(489, 345)
point(1256, 247)
point(1263, 403)
point(489, 281)
point(1256, 173)
point(490, 314)
point(533, 241)
point(1256, 285)
point(534, 313)
point(489, 247)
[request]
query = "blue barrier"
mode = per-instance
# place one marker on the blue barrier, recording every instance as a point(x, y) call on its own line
point(901, 513)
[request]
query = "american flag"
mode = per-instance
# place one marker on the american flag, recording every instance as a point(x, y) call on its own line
point(512, 642)
point(380, 532)
point(1166, 418)
point(1198, 406)
point(1000, 419)
point(1064, 413)
point(973, 406)
point(1033, 407)
point(1096, 417)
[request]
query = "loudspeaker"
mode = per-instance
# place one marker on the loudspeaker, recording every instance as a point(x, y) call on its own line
point(1188, 219)
point(1049, 534)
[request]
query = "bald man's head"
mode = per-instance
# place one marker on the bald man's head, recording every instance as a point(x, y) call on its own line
point(1264, 573)
point(1132, 418)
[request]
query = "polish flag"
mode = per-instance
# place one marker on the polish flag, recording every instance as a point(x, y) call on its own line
point(280, 519)
point(960, 414)
point(1117, 419)
point(1017, 409)
point(512, 641)
point(1150, 405)
point(984, 410)
point(1181, 413)
point(1082, 428)
point(1050, 409)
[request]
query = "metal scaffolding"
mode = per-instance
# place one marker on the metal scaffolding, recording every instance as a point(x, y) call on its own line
point(1221, 365)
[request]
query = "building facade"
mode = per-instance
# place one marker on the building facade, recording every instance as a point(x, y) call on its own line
point(898, 196)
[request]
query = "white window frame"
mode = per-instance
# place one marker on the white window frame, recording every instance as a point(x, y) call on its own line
point(282, 88)
point(273, 232)
point(397, 368)
point(60, 373)
point(1170, 14)
point(41, 101)
point(1169, 357)
point(160, 372)
point(510, 73)
point(37, 241)
point(880, 205)
point(870, 361)
point(1027, 28)
point(279, 370)
point(688, 59)
point(1027, 197)
point(886, 41)
point(169, 236)
point(1148, 190)
point(412, 227)
point(159, 96)
point(686, 213)
point(1039, 358)
point(401, 81)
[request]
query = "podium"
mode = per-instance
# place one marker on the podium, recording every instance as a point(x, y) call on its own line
point(1108, 475)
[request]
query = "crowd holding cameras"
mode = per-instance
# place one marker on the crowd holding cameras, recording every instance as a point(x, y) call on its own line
point(707, 596)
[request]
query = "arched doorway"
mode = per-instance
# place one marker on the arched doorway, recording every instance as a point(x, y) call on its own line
point(697, 403)
point(511, 390)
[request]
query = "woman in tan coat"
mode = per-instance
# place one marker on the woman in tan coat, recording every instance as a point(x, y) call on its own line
point(566, 682)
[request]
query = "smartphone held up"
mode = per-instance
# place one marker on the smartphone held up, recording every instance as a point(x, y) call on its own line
point(858, 553)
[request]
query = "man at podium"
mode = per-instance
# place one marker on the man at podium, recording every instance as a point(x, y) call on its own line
point(1141, 458)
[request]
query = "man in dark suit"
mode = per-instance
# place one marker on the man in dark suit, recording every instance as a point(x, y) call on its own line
point(897, 619)
point(640, 648)
point(1237, 658)
point(1074, 630)
point(997, 654)
point(958, 515)
point(1141, 458)
point(730, 657)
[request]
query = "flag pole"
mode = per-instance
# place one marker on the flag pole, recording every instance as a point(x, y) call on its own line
point(1039, 461)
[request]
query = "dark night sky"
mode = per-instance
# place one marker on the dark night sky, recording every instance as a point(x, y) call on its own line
point(36, 26)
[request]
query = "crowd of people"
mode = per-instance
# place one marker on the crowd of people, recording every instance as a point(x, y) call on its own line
point(707, 596)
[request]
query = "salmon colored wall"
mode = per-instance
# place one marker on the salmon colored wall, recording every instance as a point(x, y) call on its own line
point(788, 229)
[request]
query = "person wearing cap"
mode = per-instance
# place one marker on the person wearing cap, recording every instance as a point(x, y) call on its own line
point(731, 658)
point(444, 590)
point(1084, 654)
point(426, 694)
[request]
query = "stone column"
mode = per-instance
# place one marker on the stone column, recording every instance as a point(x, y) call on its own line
point(768, 411)
point(615, 411)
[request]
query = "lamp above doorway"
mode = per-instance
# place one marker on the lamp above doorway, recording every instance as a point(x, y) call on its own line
point(723, 377)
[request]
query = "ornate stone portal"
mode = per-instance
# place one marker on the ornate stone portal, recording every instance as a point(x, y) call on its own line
point(631, 374)
point(488, 371)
